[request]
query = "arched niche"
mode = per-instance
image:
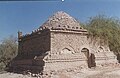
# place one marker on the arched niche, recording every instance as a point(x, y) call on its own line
point(100, 49)
point(67, 50)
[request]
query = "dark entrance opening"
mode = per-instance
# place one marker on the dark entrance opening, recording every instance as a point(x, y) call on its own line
point(91, 61)
point(90, 57)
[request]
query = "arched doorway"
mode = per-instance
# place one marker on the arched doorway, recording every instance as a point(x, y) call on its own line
point(90, 57)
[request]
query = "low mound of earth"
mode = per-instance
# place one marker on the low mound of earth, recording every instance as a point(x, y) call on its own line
point(112, 71)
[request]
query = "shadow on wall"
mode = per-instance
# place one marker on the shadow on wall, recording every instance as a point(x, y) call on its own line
point(118, 57)
point(27, 63)
point(91, 61)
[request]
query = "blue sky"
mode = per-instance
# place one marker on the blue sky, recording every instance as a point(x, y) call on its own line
point(29, 15)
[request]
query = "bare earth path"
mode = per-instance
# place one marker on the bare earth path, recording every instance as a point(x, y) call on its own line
point(106, 73)
point(103, 72)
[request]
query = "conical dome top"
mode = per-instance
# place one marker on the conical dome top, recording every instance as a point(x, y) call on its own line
point(61, 20)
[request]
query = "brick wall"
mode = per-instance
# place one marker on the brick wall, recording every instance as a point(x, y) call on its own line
point(35, 44)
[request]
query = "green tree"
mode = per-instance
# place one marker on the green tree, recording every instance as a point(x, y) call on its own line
point(8, 50)
point(105, 28)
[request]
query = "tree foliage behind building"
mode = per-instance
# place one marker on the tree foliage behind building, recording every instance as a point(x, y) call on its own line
point(105, 28)
point(8, 50)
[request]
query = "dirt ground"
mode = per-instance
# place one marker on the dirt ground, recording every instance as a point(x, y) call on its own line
point(98, 72)
point(106, 72)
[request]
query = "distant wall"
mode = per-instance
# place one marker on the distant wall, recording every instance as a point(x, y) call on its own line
point(101, 50)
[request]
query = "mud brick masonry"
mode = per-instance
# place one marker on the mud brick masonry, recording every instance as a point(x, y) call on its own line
point(59, 44)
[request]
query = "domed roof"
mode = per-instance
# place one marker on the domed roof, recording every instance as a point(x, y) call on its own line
point(61, 20)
